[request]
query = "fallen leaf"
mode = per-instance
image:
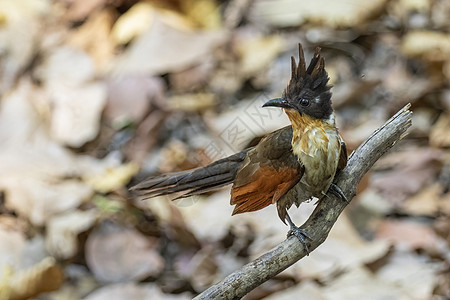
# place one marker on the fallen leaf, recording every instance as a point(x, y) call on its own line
point(94, 37)
point(76, 113)
point(309, 290)
point(46, 276)
point(18, 42)
point(115, 254)
point(130, 97)
point(359, 283)
point(328, 12)
point(343, 249)
point(413, 235)
point(194, 78)
point(257, 53)
point(62, 232)
point(35, 166)
point(415, 275)
point(157, 50)
point(80, 9)
point(133, 22)
point(112, 178)
point(65, 66)
point(133, 291)
point(200, 269)
point(429, 201)
point(192, 102)
point(11, 247)
point(429, 45)
point(440, 133)
point(203, 13)
point(412, 170)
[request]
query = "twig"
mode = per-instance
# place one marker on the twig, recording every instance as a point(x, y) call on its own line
point(319, 224)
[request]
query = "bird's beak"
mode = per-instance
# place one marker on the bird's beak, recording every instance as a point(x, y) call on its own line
point(278, 102)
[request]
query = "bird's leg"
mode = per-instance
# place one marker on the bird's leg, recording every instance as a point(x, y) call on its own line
point(338, 192)
point(299, 233)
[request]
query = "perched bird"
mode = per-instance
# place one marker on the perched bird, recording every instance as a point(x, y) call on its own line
point(288, 166)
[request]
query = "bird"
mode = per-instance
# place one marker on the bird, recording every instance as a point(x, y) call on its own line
point(289, 166)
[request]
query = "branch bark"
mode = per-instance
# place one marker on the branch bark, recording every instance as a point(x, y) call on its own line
point(319, 224)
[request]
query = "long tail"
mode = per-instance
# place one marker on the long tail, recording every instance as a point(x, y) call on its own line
point(193, 182)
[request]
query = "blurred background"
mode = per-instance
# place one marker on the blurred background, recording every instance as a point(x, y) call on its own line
point(97, 94)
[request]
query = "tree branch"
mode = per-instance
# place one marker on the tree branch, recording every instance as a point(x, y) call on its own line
point(319, 224)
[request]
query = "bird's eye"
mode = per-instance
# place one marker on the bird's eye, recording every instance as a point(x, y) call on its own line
point(304, 102)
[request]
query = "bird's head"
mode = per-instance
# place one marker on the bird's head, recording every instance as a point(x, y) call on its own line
point(308, 91)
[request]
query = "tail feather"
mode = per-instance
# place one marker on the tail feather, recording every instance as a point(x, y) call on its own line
point(193, 182)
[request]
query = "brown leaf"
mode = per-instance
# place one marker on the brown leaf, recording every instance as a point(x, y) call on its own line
point(332, 13)
point(133, 291)
point(94, 37)
point(410, 171)
point(429, 201)
point(158, 49)
point(63, 230)
point(411, 273)
point(130, 98)
point(44, 277)
point(407, 233)
point(115, 253)
point(440, 133)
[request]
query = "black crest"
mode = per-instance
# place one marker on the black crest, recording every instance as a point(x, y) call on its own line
point(310, 83)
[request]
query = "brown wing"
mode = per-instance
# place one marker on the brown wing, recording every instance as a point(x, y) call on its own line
point(268, 172)
point(342, 157)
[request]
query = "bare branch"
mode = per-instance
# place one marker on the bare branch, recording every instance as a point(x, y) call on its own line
point(319, 224)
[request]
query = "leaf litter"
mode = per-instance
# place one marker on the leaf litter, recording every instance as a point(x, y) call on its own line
point(95, 94)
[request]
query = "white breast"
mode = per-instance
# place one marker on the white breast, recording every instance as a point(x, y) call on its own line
point(320, 158)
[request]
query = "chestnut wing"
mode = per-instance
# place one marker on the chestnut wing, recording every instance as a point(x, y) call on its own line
point(267, 173)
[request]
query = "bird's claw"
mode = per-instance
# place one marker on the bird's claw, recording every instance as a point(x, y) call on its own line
point(302, 236)
point(336, 190)
point(299, 233)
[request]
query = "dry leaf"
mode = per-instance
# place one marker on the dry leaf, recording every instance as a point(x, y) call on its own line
point(133, 23)
point(65, 66)
point(309, 290)
point(414, 169)
point(62, 232)
point(133, 291)
point(440, 133)
point(200, 269)
point(158, 49)
point(94, 37)
point(333, 13)
point(11, 246)
point(258, 53)
point(80, 9)
point(412, 234)
point(115, 254)
point(130, 98)
point(429, 45)
point(19, 33)
point(343, 249)
point(359, 283)
point(194, 78)
point(203, 13)
point(112, 178)
point(415, 275)
point(44, 277)
point(37, 177)
point(192, 102)
point(76, 113)
point(429, 201)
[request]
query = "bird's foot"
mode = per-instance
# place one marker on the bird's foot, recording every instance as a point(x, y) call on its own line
point(338, 192)
point(301, 234)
